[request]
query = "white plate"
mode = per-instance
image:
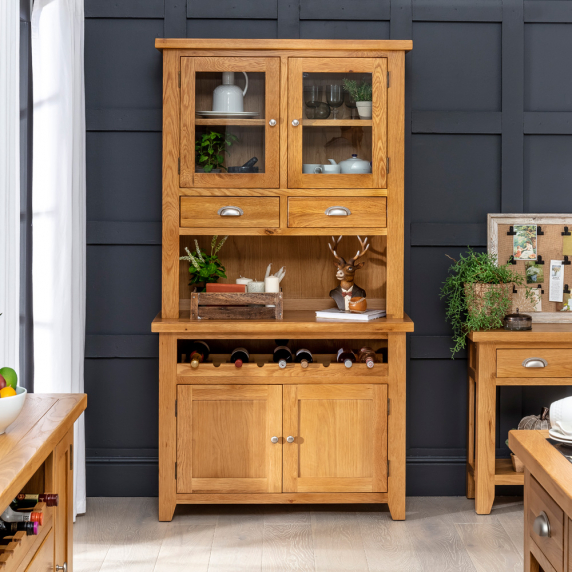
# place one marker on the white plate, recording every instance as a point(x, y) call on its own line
point(560, 439)
point(222, 115)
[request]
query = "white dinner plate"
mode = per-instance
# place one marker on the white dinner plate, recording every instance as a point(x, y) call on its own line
point(221, 115)
point(559, 439)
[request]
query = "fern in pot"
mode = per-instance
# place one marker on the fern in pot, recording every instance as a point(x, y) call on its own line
point(478, 294)
point(362, 94)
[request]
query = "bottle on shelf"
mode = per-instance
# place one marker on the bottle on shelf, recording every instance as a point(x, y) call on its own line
point(10, 515)
point(26, 501)
point(282, 356)
point(367, 355)
point(346, 356)
point(10, 528)
point(239, 356)
point(381, 354)
point(304, 357)
point(198, 352)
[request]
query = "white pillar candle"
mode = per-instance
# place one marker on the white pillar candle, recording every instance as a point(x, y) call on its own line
point(272, 284)
point(255, 287)
point(244, 281)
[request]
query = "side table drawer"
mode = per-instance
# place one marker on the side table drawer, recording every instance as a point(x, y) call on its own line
point(552, 546)
point(534, 363)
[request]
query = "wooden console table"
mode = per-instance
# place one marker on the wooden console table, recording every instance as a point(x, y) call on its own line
point(547, 502)
point(499, 357)
point(36, 455)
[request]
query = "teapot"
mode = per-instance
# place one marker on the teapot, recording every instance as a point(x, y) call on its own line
point(229, 98)
point(353, 165)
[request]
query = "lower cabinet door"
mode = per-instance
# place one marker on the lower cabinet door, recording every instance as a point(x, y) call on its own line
point(43, 560)
point(335, 438)
point(224, 439)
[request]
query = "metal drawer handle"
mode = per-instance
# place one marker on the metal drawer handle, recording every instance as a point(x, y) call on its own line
point(541, 525)
point(230, 211)
point(534, 362)
point(338, 211)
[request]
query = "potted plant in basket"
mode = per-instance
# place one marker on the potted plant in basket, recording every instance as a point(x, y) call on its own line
point(210, 149)
point(478, 293)
point(361, 94)
point(204, 268)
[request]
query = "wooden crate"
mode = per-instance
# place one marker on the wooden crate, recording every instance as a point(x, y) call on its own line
point(235, 306)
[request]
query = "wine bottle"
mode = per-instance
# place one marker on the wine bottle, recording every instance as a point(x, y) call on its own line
point(381, 354)
point(10, 515)
point(10, 528)
point(282, 356)
point(346, 356)
point(239, 356)
point(367, 355)
point(198, 352)
point(304, 357)
point(25, 501)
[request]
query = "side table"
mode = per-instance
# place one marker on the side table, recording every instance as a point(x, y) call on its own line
point(541, 356)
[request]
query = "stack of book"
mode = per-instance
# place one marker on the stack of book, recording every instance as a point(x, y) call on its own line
point(335, 314)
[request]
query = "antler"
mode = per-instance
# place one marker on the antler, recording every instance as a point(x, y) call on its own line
point(333, 248)
point(363, 250)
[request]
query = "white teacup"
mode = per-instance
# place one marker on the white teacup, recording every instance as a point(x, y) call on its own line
point(561, 418)
point(310, 168)
point(328, 169)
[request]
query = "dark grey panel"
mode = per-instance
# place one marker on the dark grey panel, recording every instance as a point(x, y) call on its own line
point(548, 122)
point(451, 234)
point(343, 10)
point(122, 67)
point(124, 119)
point(547, 70)
point(456, 67)
point(251, 29)
point(547, 173)
point(228, 9)
point(123, 403)
point(433, 347)
point(124, 9)
point(481, 122)
point(143, 346)
point(427, 476)
point(442, 424)
point(105, 232)
point(124, 176)
point(288, 19)
point(123, 289)
point(343, 30)
point(534, 398)
point(457, 11)
point(122, 478)
point(456, 178)
point(175, 19)
point(429, 268)
point(547, 11)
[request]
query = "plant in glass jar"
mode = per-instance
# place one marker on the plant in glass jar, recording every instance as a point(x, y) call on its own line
point(362, 94)
point(204, 268)
point(478, 294)
point(210, 149)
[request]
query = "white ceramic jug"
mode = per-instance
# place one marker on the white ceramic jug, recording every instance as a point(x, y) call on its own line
point(229, 98)
point(353, 165)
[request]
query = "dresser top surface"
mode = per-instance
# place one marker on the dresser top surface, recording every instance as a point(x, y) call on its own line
point(539, 333)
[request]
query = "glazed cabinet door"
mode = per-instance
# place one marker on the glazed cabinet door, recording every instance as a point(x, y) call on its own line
point(224, 438)
point(230, 122)
point(336, 438)
point(63, 525)
point(333, 140)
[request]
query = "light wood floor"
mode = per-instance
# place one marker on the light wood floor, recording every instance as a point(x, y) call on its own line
point(441, 534)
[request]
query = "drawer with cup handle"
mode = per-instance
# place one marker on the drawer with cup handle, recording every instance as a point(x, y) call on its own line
point(337, 212)
point(534, 362)
point(230, 212)
point(545, 520)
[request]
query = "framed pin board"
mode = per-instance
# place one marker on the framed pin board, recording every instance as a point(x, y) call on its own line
point(540, 248)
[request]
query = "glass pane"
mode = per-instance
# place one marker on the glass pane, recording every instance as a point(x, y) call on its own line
point(230, 124)
point(328, 148)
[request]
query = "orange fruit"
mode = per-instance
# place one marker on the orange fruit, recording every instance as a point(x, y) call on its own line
point(7, 392)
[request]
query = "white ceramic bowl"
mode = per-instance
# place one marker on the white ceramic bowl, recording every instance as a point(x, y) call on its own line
point(10, 408)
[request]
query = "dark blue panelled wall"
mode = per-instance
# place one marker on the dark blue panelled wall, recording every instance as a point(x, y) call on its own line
point(488, 129)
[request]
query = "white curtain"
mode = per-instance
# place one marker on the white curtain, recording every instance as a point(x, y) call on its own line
point(9, 183)
point(58, 206)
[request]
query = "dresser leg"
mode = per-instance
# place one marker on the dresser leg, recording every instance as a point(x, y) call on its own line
point(470, 437)
point(485, 428)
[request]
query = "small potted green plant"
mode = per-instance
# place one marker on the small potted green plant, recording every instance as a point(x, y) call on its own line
point(204, 268)
point(210, 149)
point(361, 94)
point(478, 293)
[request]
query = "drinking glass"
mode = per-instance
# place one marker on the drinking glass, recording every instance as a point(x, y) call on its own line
point(312, 95)
point(350, 103)
point(335, 97)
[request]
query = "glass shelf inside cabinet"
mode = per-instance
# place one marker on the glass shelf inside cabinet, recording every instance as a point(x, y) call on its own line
point(334, 129)
point(229, 139)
